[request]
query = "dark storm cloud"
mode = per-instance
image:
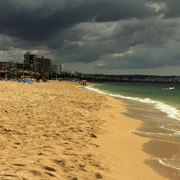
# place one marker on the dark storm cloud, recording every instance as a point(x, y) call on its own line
point(171, 8)
point(43, 19)
point(144, 58)
point(89, 42)
point(112, 33)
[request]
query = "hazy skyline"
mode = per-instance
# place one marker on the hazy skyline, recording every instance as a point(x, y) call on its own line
point(95, 36)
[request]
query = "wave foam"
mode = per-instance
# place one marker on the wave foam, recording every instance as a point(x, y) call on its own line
point(171, 111)
point(172, 163)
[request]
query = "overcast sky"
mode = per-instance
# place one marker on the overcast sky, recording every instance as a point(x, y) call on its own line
point(94, 36)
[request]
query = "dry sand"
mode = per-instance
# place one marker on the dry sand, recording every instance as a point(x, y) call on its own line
point(57, 130)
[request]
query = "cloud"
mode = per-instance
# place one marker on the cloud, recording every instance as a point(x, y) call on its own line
point(42, 20)
point(124, 39)
point(146, 58)
point(172, 8)
point(129, 51)
point(157, 6)
point(102, 33)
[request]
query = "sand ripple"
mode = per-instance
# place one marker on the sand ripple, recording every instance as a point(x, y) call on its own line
point(47, 131)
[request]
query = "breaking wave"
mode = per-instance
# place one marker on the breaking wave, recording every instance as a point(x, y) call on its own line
point(171, 111)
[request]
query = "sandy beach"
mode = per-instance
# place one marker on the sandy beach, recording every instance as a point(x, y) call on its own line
point(59, 130)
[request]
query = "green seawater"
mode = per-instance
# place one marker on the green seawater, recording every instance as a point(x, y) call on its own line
point(159, 109)
point(154, 91)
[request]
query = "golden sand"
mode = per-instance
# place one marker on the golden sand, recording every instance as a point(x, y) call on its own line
point(58, 130)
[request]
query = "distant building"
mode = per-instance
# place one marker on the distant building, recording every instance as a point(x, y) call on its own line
point(59, 68)
point(30, 61)
point(6, 65)
point(43, 65)
point(54, 69)
point(19, 65)
point(9, 65)
point(38, 64)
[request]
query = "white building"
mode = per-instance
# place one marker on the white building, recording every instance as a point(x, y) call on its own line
point(59, 68)
point(56, 68)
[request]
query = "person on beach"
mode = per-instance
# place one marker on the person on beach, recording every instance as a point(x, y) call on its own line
point(83, 82)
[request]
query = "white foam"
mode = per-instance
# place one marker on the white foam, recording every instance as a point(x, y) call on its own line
point(170, 128)
point(177, 133)
point(171, 111)
point(172, 163)
point(161, 136)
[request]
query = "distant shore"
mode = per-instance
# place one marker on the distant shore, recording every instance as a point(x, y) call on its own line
point(57, 130)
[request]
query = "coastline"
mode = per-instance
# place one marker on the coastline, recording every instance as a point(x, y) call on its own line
point(58, 130)
point(122, 149)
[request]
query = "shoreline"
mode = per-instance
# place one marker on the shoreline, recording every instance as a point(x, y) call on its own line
point(122, 149)
point(159, 149)
point(57, 130)
point(159, 105)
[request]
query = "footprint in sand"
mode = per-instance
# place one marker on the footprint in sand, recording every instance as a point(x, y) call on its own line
point(48, 168)
point(35, 173)
point(20, 165)
point(60, 162)
point(50, 174)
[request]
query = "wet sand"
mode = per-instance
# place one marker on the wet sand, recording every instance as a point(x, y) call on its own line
point(160, 146)
point(57, 130)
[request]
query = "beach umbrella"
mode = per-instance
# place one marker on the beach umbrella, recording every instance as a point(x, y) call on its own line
point(31, 73)
point(1, 71)
point(5, 72)
point(13, 71)
point(26, 72)
point(37, 74)
point(21, 71)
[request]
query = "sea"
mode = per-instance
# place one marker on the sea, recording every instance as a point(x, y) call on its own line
point(159, 109)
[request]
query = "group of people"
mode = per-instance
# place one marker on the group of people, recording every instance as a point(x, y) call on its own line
point(83, 82)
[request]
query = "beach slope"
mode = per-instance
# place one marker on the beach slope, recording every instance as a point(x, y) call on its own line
point(58, 130)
